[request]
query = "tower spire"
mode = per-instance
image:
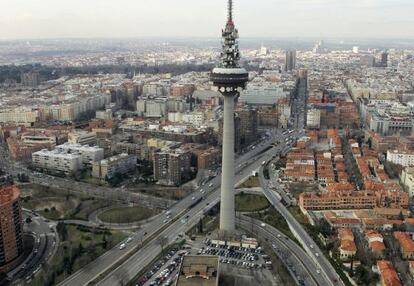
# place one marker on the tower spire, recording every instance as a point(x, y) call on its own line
point(230, 11)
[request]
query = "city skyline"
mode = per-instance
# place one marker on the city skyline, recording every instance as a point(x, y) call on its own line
point(281, 18)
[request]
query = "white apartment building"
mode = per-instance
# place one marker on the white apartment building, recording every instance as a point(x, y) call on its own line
point(152, 108)
point(262, 95)
point(175, 117)
point(402, 158)
point(313, 118)
point(57, 161)
point(407, 179)
point(89, 154)
point(194, 118)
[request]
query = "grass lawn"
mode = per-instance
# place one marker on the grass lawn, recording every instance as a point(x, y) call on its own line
point(57, 204)
point(82, 245)
point(127, 214)
point(275, 219)
point(251, 203)
point(88, 206)
point(210, 223)
point(299, 216)
point(252, 182)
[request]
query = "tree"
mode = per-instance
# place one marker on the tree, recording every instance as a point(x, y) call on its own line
point(104, 242)
point(80, 248)
point(67, 264)
point(200, 226)
point(162, 241)
point(62, 231)
point(324, 227)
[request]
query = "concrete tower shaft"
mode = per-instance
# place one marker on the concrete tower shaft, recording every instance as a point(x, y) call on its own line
point(230, 79)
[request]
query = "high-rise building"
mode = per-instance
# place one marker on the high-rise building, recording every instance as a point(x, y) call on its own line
point(290, 61)
point(319, 48)
point(30, 79)
point(230, 79)
point(248, 125)
point(384, 59)
point(116, 165)
point(11, 227)
point(172, 168)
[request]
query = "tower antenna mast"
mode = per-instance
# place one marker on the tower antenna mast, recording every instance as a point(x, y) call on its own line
point(230, 10)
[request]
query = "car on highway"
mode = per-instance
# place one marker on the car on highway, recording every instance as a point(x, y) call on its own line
point(129, 239)
point(122, 246)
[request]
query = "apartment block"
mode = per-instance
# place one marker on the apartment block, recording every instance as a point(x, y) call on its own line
point(82, 137)
point(172, 167)
point(120, 164)
point(375, 242)
point(58, 161)
point(353, 200)
point(347, 248)
point(407, 179)
point(402, 158)
point(388, 274)
point(89, 154)
point(406, 244)
point(11, 227)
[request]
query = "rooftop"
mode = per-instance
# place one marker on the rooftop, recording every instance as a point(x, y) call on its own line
point(199, 271)
point(8, 194)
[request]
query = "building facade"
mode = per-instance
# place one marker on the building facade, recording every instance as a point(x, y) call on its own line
point(57, 161)
point(120, 164)
point(11, 227)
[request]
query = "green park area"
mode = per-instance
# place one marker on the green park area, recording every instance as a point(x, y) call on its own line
point(251, 202)
point(127, 214)
point(57, 204)
point(79, 246)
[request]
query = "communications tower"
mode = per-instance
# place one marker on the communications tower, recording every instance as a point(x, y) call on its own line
point(230, 79)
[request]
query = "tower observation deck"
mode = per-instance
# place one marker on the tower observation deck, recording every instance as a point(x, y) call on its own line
point(230, 79)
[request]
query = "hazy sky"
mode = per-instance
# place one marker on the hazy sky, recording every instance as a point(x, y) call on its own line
point(204, 18)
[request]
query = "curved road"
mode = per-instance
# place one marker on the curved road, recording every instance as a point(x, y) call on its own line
point(304, 238)
point(245, 164)
point(305, 268)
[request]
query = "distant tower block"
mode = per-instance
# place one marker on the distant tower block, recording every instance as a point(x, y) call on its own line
point(230, 79)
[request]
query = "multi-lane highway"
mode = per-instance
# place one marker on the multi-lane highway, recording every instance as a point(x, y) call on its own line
point(245, 164)
point(307, 242)
point(293, 256)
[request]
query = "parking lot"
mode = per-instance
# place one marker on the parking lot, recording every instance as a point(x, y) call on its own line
point(165, 271)
point(238, 256)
